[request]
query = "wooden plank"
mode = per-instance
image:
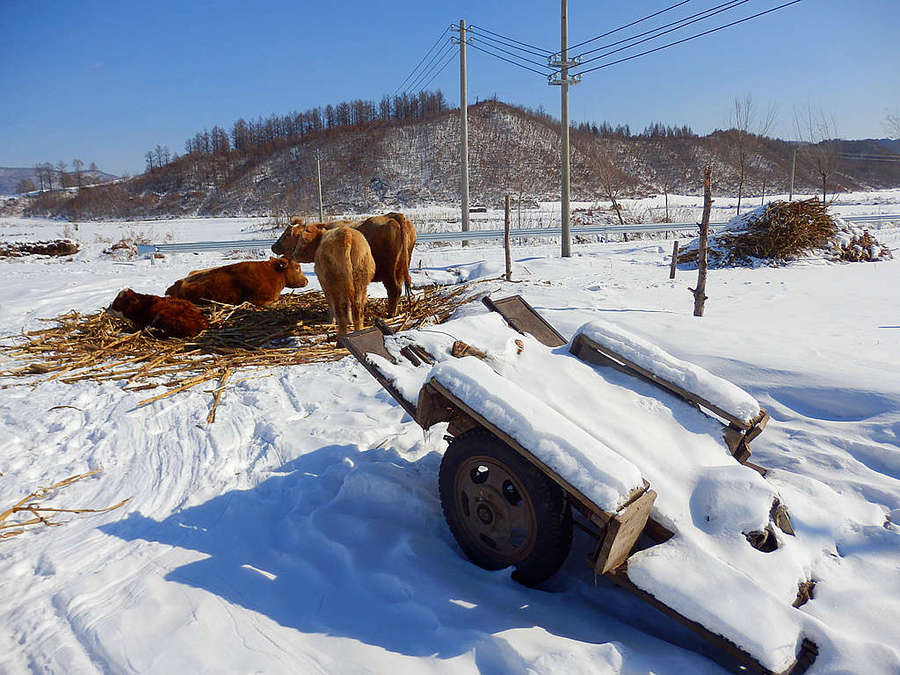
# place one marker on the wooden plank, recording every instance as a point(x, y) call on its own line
point(806, 652)
point(522, 317)
point(371, 341)
point(622, 533)
point(587, 346)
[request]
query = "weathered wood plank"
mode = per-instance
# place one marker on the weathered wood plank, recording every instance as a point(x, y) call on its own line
point(523, 318)
point(371, 341)
point(622, 533)
point(587, 346)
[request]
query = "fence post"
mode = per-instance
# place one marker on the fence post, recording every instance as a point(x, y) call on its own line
point(674, 259)
point(506, 239)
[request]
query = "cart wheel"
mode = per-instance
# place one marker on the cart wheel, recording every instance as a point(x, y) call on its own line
point(502, 509)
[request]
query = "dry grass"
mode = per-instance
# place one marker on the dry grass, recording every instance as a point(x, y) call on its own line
point(293, 330)
point(32, 505)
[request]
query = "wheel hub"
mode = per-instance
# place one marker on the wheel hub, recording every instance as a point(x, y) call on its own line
point(497, 513)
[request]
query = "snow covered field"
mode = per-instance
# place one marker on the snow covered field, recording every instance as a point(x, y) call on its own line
point(302, 532)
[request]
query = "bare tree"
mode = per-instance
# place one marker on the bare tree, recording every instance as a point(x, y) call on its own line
point(892, 122)
point(39, 173)
point(77, 165)
point(612, 181)
point(818, 136)
point(25, 185)
point(748, 128)
point(61, 167)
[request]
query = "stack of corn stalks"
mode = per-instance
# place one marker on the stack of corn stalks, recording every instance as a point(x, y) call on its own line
point(294, 330)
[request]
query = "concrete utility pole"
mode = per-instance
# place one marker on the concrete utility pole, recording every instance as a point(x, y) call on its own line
point(463, 130)
point(564, 81)
point(319, 180)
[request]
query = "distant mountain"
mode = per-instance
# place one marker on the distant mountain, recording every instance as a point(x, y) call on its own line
point(10, 177)
point(388, 165)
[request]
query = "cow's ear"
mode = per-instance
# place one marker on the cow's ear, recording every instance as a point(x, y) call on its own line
point(280, 264)
point(296, 220)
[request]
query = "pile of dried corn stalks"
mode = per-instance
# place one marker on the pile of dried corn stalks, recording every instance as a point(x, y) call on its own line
point(292, 331)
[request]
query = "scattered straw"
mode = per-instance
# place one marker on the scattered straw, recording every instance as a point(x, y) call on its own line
point(294, 330)
point(31, 504)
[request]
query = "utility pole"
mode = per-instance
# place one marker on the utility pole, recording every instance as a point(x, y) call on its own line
point(793, 169)
point(564, 81)
point(319, 179)
point(463, 129)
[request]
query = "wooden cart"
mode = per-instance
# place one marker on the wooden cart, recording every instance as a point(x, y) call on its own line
point(489, 483)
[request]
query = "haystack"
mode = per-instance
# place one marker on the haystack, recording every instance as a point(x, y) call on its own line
point(781, 232)
point(294, 330)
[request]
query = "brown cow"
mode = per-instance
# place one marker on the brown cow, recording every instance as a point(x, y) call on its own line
point(289, 239)
point(344, 266)
point(171, 317)
point(259, 282)
point(391, 238)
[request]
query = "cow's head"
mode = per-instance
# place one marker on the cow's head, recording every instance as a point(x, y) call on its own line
point(293, 277)
point(124, 303)
point(309, 237)
point(288, 239)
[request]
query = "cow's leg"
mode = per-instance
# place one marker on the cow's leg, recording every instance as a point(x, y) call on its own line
point(359, 305)
point(393, 296)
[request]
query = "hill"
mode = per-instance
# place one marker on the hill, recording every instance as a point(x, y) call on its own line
point(405, 163)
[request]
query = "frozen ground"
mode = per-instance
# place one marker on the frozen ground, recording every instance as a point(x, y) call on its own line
point(301, 532)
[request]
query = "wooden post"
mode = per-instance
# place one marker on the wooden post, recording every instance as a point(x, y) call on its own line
point(506, 239)
point(700, 292)
point(674, 259)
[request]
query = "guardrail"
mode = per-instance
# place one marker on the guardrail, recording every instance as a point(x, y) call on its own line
point(471, 235)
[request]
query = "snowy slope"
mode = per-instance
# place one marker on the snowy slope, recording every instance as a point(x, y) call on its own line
point(301, 532)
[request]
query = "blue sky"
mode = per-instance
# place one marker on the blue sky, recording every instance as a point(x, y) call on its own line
point(105, 81)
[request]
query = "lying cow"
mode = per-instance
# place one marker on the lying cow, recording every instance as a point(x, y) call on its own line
point(391, 238)
point(259, 282)
point(168, 317)
point(344, 266)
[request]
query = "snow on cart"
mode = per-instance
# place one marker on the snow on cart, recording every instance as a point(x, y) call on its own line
point(651, 451)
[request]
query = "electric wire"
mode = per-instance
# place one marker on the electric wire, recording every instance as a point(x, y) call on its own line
point(660, 32)
point(422, 60)
point(525, 44)
point(503, 58)
point(430, 69)
point(513, 54)
point(474, 30)
point(687, 39)
point(453, 53)
point(627, 25)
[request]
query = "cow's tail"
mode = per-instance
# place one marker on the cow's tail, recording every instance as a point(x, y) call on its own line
point(403, 261)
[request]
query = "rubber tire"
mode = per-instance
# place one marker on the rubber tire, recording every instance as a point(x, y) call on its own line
point(552, 511)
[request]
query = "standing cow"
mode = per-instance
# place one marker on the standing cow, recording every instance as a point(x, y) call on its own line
point(344, 265)
point(391, 238)
point(258, 281)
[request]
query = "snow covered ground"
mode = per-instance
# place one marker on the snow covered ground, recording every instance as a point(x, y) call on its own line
point(302, 532)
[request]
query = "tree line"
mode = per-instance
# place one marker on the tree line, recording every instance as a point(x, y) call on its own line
point(56, 177)
point(262, 135)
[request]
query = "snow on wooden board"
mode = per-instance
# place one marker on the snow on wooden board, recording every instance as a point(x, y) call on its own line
point(602, 475)
point(690, 377)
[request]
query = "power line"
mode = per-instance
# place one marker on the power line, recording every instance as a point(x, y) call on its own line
point(453, 53)
point(692, 37)
point(429, 69)
point(540, 49)
point(503, 58)
point(478, 31)
point(440, 37)
point(628, 25)
point(539, 64)
point(682, 23)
